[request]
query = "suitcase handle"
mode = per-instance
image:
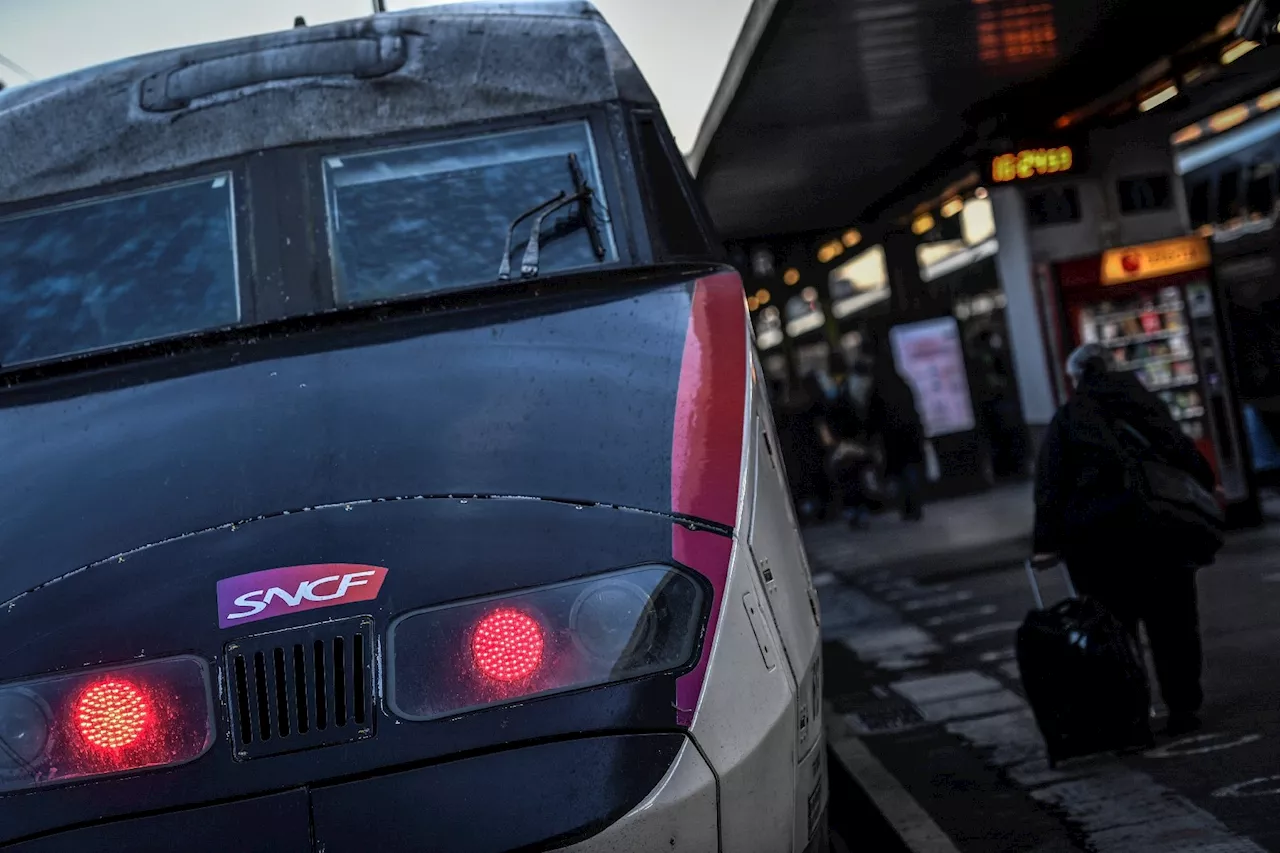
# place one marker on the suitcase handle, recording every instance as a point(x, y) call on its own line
point(1035, 583)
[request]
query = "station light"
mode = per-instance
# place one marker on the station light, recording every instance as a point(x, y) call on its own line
point(762, 296)
point(1188, 134)
point(1191, 75)
point(851, 238)
point(1229, 118)
point(791, 276)
point(829, 251)
point(980, 193)
point(753, 304)
point(922, 224)
point(952, 206)
point(1237, 49)
point(1160, 95)
point(1269, 101)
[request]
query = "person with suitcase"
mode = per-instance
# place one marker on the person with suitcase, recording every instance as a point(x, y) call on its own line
point(1128, 502)
point(1083, 675)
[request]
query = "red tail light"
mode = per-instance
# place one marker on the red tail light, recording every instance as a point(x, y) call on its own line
point(462, 657)
point(507, 645)
point(104, 722)
point(112, 714)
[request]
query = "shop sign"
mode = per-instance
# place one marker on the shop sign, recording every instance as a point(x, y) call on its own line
point(1152, 260)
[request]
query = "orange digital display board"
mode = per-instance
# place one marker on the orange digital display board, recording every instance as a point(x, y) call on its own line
point(1032, 163)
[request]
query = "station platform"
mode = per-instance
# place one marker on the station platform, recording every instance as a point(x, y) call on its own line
point(927, 717)
point(956, 536)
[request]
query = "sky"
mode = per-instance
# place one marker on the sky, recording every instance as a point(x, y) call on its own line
point(680, 45)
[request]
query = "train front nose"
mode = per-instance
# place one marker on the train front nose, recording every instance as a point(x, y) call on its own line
point(388, 664)
point(484, 673)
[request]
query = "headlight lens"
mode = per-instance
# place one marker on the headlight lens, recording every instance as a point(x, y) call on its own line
point(24, 731)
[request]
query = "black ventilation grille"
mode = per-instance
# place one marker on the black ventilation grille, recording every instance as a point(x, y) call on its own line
point(301, 688)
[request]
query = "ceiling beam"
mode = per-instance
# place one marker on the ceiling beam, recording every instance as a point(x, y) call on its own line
point(744, 51)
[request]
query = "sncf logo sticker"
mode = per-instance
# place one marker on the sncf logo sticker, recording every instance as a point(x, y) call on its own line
point(275, 592)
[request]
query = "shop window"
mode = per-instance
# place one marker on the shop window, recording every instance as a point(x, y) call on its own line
point(859, 283)
point(977, 221)
point(1144, 194)
point(803, 313)
point(939, 260)
point(931, 254)
point(1260, 194)
point(1230, 201)
point(1053, 206)
point(1198, 204)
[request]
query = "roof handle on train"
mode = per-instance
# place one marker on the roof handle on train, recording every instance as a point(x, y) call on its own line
point(176, 88)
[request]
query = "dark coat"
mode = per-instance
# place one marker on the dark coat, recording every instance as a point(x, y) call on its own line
point(843, 417)
point(1080, 494)
point(892, 415)
point(798, 419)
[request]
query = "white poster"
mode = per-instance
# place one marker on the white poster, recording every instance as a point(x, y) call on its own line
point(930, 358)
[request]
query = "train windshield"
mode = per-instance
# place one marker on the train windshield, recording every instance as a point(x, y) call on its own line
point(436, 217)
point(118, 271)
point(417, 219)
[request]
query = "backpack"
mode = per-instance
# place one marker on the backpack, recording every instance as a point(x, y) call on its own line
point(1172, 508)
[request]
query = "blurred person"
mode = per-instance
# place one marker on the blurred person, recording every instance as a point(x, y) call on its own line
point(858, 383)
point(1086, 505)
point(996, 396)
point(852, 463)
point(843, 437)
point(893, 417)
point(805, 438)
point(841, 416)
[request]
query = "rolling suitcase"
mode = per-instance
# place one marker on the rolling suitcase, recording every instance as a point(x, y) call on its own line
point(1084, 677)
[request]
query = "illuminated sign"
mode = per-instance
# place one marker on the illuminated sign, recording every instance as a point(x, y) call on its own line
point(930, 356)
point(1152, 260)
point(1032, 163)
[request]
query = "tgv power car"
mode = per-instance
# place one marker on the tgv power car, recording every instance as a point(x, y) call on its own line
point(385, 463)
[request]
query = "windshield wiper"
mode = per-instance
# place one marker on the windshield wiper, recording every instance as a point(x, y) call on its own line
point(556, 202)
point(585, 210)
point(583, 195)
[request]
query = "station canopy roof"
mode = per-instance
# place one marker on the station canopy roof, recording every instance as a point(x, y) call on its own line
point(830, 112)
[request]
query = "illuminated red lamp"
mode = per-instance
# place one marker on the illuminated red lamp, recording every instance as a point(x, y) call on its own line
point(507, 645)
point(112, 714)
point(1131, 262)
